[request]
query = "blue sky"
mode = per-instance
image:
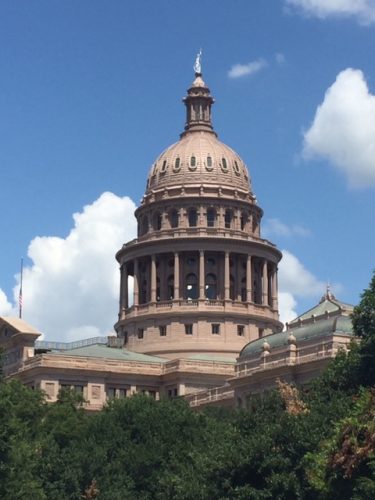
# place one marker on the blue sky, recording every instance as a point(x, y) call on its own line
point(90, 94)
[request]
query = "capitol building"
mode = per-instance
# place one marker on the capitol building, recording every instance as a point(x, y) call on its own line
point(201, 319)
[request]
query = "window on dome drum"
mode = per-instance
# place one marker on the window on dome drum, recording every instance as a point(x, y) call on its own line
point(228, 219)
point(244, 218)
point(215, 329)
point(191, 290)
point(144, 225)
point(211, 286)
point(170, 286)
point(140, 333)
point(157, 222)
point(164, 167)
point(143, 294)
point(163, 330)
point(240, 330)
point(243, 290)
point(125, 337)
point(173, 218)
point(157, 288)
point(192, 217)
point(231, 288)
point(193, 162)
point(260, 332)
point(224, 164)
point(177, 164)
point(211, 217)
point(236, 168)
point(189, 329)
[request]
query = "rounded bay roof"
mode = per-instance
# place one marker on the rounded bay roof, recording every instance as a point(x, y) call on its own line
point(198, 157)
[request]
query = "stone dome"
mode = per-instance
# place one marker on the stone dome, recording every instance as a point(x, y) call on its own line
point(198, 157)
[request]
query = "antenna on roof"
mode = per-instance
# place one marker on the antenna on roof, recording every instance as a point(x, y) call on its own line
point(20, 292)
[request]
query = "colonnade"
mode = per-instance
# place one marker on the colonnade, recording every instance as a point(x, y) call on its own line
point(200, 275)
point(203, 216)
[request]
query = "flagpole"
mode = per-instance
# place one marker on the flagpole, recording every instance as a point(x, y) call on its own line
point(20, 294)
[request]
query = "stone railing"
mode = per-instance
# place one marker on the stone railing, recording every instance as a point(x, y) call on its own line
point(187, 232)
point(210, 396)
point(262, 311)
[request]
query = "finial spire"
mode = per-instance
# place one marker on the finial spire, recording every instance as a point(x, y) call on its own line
point(198, 63)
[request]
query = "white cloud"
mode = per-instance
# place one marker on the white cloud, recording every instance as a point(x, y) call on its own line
point(6, 308)
point(363, 10)
point(287, 307)
point(295, 281)
point(274, 227)
point(294, 278)
point(239, 70)
point(71, 289)
point(343, 129)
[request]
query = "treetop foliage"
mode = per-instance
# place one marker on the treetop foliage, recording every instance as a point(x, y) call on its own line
point(316, 442)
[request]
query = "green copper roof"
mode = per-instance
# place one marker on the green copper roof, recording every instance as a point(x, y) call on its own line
point(102, 351)
point(338, 325)
point(328, 304)
point(212, 357)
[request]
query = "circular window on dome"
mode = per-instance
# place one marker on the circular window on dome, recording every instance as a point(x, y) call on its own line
point(177, 165)
point(236, 168)
point(193, 163)
point(224, 165)
point(209, 166)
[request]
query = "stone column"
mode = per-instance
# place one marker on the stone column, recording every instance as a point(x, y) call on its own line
point(176, 276)
point(136, 283)
point(275, 303)
point(153, 278)
point(226, 277)
point(265, 283)
point(249, 279)
point(201, 275)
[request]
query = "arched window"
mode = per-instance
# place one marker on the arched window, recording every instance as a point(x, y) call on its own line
point(192, 217)
point(231, 288)
point(211, 286)
point(163, 167)
point(209, 163)
point(170, 287)
point(224, 165)
point(157, 221)
point(143, 297)
point(211, 217)
point(193, 162)
point(177, 164)
point(144, 225)
point(158, 298)
point(243, 290)
point(228, 218)
point(191, 287)
point(173, 218)
point(236, 168)
point(244, 218)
